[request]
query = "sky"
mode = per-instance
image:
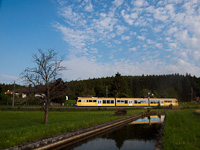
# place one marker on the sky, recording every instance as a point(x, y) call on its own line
point(99, 38)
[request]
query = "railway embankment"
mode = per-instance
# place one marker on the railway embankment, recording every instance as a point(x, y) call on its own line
point(66, 139)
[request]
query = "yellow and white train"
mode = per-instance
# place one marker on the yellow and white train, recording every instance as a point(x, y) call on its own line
point(102, 101)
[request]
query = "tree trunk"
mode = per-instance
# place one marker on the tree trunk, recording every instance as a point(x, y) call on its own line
point(46, 117)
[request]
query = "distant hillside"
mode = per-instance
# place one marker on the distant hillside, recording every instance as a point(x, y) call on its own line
point(183, 87)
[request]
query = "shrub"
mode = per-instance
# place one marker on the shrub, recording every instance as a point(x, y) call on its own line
point(5, 99)
point(170, 106)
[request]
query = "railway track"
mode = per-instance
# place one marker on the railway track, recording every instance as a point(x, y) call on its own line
point(70, 107)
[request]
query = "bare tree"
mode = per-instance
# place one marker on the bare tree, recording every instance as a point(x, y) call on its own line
point(43, 77)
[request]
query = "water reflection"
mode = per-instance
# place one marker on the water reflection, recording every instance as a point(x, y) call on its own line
point(140, 134)
point(150, 120)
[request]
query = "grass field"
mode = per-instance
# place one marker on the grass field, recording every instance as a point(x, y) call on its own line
point(17, 127)
point(182, 130)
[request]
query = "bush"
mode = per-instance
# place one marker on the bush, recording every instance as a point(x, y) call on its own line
point(170, 106)
point(5, 99)
point(158, 107)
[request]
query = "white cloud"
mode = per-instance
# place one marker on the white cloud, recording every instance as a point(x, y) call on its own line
point(118, 2)
point(140, 3)
point(141, 37)
point(134, 15)
point(161, 14)
point(132, 49)
point(172, 30)
point(196, 55)
point(70, 16)
point(172, 45)
point(171, 26)
point(127, 17)
point(104, 24)
point(75, 37)
point(125, 37)
point(80, 68)
point(89, 7)
point(120, 29)
point(150, 41)
point(159, 45)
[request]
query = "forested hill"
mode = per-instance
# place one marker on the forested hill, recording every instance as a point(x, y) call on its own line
point(182, 87)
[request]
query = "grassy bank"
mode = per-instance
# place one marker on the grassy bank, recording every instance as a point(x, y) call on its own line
point(182, 130)
point(19, 127)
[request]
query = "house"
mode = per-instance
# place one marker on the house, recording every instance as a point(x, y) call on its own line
point(23, 95)
point(9, 92)
point(40, 95)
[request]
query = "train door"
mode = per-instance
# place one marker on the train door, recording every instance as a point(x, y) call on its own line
point(161, 103)
point(99, 102)
point(130, 103)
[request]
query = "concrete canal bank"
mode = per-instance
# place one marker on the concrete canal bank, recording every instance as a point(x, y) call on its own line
point(67, 139)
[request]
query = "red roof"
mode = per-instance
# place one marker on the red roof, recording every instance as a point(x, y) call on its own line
point(9, 92)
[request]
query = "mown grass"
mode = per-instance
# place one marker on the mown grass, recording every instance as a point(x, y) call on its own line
point(182, 130)
point(17, 127)
point(189, 104)
point(70, 103)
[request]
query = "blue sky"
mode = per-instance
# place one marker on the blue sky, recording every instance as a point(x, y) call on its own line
point(100, 38)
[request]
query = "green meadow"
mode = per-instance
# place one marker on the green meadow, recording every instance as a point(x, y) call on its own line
point(17, 127)
point(182, 130)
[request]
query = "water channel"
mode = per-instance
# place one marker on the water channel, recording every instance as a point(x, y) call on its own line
point(138, 135)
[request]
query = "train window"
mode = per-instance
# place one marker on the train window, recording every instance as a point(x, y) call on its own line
point(122, 101)
point(108, 101)
point(112, 101)
point(87, 100)
point(168, 101)
point(143, 102)
point(126, 101)
point(79, 100)
point(90, 101)
point(136, 102)
point(118, 101)
point(104, 101)
point(94, 100)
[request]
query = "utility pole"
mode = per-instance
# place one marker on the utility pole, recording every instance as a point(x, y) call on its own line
point(148, 99)
point(13, 101)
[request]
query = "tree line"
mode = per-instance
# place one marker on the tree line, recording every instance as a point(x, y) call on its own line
point(182, 87)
